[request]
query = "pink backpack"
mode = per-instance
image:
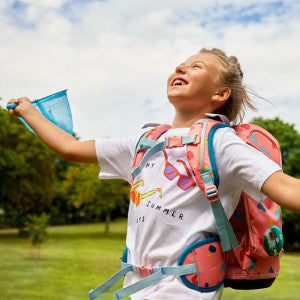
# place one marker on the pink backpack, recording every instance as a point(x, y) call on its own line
point(253, 260)
point(254, 263)
point(247, 252)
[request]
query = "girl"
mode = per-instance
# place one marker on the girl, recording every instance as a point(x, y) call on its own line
point(166, 216)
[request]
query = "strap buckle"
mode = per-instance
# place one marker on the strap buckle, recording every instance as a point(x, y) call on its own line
point(173, 141)
point(144, 271)
point(211, 193)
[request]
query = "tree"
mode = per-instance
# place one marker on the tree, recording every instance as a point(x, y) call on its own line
point(27, 172)
point(95, 197)
point(37, 226)
point(289, 140)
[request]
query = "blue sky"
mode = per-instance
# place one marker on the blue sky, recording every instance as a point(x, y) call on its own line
point(115, 56)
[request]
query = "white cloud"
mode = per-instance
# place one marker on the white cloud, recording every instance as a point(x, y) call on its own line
point(115, 56)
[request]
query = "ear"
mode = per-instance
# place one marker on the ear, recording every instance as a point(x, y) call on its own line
point(222, 94)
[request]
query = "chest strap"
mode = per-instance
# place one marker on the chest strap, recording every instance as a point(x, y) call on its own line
point(156, 146)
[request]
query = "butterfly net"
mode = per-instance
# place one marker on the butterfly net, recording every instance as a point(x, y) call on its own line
point(56, 109)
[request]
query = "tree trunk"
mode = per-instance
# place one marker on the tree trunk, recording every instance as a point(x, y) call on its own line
point(107, 220)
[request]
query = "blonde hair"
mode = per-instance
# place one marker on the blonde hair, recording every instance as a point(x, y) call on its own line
point(232, 76)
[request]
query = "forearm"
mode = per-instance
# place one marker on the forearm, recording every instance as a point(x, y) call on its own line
point(55, 138)
point(284, 190)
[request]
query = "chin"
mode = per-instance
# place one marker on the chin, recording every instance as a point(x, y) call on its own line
point(176, 96)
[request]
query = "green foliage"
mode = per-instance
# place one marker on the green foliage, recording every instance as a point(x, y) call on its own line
point(289, 140)
point(34, 180)
point(27, 172)
point(95, 197)
point(37, 226)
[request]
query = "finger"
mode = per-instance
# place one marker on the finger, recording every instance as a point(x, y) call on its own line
point(13, 101)
point(23, 99)
point(11, 105)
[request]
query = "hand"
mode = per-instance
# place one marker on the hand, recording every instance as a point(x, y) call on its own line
point(23, 108)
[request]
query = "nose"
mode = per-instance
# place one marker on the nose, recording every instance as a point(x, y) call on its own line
point(180, 69)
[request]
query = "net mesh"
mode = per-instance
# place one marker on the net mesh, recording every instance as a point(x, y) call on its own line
point(56, 109)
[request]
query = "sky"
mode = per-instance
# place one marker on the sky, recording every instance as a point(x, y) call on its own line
point(114, 56)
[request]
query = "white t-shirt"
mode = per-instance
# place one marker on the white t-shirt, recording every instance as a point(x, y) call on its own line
point(170, 216)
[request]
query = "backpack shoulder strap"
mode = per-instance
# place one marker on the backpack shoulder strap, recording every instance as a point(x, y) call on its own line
point(203, 154)
point(149, 145)
point(152, 134)
point(202, 161)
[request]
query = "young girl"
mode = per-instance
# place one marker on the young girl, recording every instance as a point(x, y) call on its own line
point(168, 216)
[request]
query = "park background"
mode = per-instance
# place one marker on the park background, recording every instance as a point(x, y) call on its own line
point(114, 58)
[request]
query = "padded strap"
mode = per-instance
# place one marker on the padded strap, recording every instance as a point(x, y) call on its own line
point(226, 233)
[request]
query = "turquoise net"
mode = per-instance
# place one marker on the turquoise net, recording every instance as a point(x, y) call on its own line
point(56, 109)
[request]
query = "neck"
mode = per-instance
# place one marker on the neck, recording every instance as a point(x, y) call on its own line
point(186, 119)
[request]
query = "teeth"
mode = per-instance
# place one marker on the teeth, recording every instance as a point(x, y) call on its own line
point(178, 82)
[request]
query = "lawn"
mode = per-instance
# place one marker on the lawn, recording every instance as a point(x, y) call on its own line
point(76, 258)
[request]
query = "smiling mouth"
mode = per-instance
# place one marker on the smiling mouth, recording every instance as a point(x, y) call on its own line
point(179, 82)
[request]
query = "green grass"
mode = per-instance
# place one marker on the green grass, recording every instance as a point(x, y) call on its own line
point(76, 258)
point(73, 260)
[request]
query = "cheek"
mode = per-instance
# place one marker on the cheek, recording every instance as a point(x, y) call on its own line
point(169, 79)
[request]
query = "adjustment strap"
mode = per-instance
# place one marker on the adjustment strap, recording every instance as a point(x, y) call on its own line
point(154, 278)
point(158, 274)
point(147, 143)
point(143, 283)
point(175, 270)
point(179, 141)
point(226, 233)
point(109, 282)
point(156, 146)
point(170, 142)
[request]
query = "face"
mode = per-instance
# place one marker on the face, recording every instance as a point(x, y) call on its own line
point(194, 82)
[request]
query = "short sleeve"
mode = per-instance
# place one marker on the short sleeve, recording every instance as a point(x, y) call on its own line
point(115, 157)
point(240, 165)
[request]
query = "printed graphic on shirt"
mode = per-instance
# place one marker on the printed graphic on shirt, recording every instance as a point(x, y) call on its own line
point(164, 210)
point(184, 182)
point(136, 196)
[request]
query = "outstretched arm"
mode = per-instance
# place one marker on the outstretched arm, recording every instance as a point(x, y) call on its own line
point(284, 190)
point(55, 138)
